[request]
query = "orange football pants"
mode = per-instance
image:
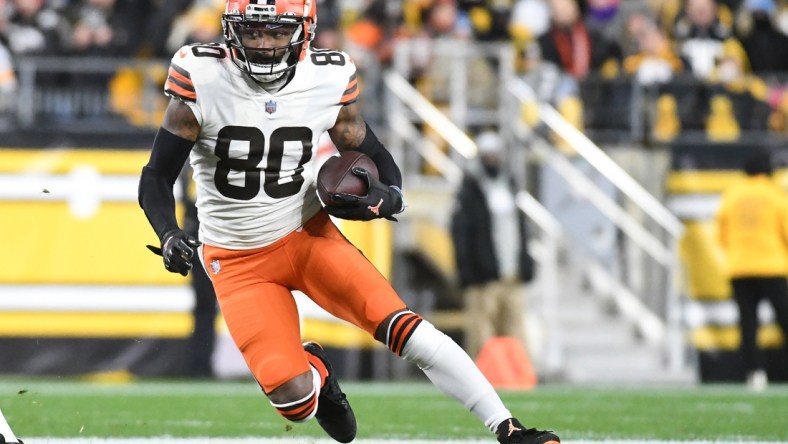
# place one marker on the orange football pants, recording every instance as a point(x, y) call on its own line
point(254, 287)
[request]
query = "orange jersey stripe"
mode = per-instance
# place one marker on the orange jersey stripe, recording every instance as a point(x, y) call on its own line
point(176, 90)
point(349, 98)
point(351, 91)
point(185, 86)
point(182, 79)
point(351, 85)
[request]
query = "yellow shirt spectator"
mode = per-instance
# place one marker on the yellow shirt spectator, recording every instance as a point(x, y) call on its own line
point(753, 227)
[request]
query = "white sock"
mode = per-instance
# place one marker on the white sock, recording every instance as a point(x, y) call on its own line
point(5, 430)
point(451, 370)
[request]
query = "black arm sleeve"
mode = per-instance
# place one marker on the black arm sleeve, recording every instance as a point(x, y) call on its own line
point(388, 171)
point(155, 194)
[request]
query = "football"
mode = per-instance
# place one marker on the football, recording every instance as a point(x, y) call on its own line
point(336, 176)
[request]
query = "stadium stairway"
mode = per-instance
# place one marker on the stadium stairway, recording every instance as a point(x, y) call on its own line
point(599, 346)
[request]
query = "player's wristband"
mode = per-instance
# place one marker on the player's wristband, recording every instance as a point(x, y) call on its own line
point(401, 198)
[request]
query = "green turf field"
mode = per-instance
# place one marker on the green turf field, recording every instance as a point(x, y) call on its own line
point(70, 408)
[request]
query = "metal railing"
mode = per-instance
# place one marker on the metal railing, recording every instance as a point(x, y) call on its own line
point(643, 221)
point(71, 93)
point(74, 93)
point(406, 99)
point(658, 321)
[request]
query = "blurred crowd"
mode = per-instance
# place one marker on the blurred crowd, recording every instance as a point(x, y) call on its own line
point(739, 44)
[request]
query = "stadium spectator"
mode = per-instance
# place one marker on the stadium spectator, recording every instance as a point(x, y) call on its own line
point(438, 33)
point(747, 92)
point(732, 5)
point(753, 232)
point(199, 24)
point(370, 41)
point(666, 12)
point(654, 61)
point(568, 53)
point(530, 19)
point(604, 17)
point(765, 45)
point(490, 248)
point(101, 28)
point(107, 28)
point(489, 20)
point(160, 24)
point(702, 36)
point(34, 28)
point(330, 35)
point(602, 12)
point(570, 45)
point(366, 36)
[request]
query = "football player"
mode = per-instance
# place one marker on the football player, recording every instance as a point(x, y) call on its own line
point(248, 114)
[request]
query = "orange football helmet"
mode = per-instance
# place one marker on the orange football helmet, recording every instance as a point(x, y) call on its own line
point(266, 65)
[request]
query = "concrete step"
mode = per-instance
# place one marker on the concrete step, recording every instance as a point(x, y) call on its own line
point(619, 376)
point(603, 332)
point(600, 347)
point(607, 363)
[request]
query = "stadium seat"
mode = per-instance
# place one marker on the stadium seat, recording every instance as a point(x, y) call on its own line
point(721, 125)
point(666, 120)
point(691, 101)
point(608, 104)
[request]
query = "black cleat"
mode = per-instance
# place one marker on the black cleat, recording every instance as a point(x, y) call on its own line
point(333, 410)
point(512, 432)
point(3, 441)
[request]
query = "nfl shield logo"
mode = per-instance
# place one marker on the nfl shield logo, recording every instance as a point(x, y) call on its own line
point(270, 107)
point(215, 267)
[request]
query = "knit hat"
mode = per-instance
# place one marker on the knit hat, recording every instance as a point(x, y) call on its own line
point(489, 142)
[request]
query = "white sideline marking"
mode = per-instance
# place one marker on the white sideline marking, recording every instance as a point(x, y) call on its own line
point(169, 440)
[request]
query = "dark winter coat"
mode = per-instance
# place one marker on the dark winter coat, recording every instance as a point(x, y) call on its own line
point(471, 230)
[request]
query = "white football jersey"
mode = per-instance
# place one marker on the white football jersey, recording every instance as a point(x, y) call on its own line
point(254, 161)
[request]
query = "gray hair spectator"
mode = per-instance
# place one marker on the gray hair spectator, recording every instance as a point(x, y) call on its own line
point(34, 28)
point(571, 45)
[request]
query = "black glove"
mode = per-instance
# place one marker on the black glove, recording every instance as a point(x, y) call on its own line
point(381, 201)
point(177, 249)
